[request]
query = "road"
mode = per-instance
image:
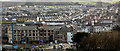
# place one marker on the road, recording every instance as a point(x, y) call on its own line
point(65, 46)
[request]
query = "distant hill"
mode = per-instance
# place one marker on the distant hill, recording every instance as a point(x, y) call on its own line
point(7, 4)
point(117, 4)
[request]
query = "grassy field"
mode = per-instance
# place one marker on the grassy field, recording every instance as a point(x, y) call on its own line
point(93, 3)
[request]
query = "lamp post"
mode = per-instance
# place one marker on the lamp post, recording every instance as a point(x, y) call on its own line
point(25, 41)
point(13, 21)
point(12, 35)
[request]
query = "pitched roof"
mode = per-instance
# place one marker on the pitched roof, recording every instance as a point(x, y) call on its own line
point(24, 28)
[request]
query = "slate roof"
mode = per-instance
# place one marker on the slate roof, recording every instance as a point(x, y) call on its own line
point(24, 28)
point(51, 27)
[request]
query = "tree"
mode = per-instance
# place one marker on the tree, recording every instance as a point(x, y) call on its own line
point(102, 40)
point(116, 28)
point(78, 37)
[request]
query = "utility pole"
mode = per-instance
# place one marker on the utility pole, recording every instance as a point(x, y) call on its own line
point(12, 35)
point(25, 41)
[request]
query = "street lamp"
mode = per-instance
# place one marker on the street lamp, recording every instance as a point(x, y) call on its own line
point(25, 41)
point(12, 33)
point(13, 21)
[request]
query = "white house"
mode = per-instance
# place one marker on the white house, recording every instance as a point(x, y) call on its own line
point(69, 36)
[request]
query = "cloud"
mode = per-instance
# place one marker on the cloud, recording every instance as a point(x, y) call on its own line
point(60, 0)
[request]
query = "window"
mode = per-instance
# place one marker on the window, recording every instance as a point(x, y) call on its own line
point(44, 34)
point(41, 30)
point(48, 30)
point(14, 38)
point(18, 31)
point(33, 34)
point(25, 31)
point(14, 35)
point(57, 32)
point(52, 30)
point(48, 34)
point(29, 34)
point(22, 34)
point(14, 31)
point(29, 31)
point(33, 31)
point(44, 30)
point(41, 35)
point(26, 34)
point(33, 38)
point(37, 38)
point(22, 31)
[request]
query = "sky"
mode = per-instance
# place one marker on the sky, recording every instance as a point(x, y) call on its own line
point(61, 0)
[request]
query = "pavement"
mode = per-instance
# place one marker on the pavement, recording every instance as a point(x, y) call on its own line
point(65, 46)
point(47, 46)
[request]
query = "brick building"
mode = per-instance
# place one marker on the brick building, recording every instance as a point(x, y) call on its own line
point(33, 34)
point(37, 34)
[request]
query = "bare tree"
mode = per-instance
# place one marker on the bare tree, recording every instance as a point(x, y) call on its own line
point(102, 40)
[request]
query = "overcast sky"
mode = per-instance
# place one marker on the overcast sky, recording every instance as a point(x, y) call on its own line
point(60, 0)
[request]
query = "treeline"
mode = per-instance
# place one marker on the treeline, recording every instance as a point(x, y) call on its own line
point(101, 40)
